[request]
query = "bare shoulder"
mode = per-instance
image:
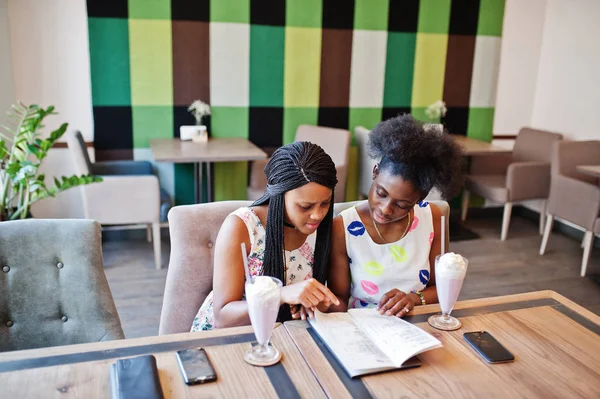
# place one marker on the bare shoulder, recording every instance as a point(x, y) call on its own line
point(261, 211)
point(338, 222)
point(436, 212)
point(234, 228)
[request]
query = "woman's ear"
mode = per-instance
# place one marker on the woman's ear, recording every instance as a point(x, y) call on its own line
point(375, 170)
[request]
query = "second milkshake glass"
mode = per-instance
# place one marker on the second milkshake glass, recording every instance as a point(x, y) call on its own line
point(448, 285)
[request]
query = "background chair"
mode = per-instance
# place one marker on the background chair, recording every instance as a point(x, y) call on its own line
point(522, 175)
point(575, 196)
point(129, 195)
point(53, 290)
point(335, 142)
point(193, 230)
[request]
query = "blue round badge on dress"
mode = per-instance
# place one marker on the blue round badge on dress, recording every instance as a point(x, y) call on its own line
point(424, 276)
point(364, 304)
point(423, 204)
point(356, 228)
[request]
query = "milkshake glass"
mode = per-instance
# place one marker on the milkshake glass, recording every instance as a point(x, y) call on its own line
point(263, 295)
point(450, 271)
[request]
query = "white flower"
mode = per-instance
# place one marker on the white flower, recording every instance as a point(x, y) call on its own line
point(199, 109)
point(436, 110)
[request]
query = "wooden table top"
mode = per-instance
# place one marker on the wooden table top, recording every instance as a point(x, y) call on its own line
point(555, 343)
point(82, 371)
point(215, 150)
point(477, 147)
point(593, 170)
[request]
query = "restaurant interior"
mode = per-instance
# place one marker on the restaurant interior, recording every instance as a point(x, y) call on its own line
point(136, 130)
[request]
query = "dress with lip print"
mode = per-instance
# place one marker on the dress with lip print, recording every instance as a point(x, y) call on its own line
point(378, 268)
point(298, 265)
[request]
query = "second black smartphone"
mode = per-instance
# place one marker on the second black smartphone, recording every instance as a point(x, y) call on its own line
point(195, 366)
point(488, 347)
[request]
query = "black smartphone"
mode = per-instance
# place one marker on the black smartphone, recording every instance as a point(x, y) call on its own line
point(488, 347)
point(195, 366)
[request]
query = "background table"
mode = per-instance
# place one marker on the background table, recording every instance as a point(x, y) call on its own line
point(478, 147)
point(200, 154)
point(592, 170)
point(555, 343)
point(82, 371)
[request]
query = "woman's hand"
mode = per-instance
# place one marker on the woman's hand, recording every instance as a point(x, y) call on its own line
point(300, 312)
point(309, 293)
point(396, 303)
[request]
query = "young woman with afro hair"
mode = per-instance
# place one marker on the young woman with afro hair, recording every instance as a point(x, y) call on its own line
point(383, 250)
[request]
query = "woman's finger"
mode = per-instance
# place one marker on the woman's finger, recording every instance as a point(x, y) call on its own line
point(327, 293)
point(392, 302)
point(398, 307)
point(384, 298)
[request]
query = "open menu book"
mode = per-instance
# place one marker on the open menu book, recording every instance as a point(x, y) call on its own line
point(365, 342)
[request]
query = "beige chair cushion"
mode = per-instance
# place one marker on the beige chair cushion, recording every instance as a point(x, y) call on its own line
point(193, 230)
point(492, 187)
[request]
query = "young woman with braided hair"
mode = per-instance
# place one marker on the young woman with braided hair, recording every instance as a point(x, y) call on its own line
point(383, 250)
point(297, 210)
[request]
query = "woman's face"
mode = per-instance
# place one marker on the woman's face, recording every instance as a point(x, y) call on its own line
point(307, 206)
point(391, 197)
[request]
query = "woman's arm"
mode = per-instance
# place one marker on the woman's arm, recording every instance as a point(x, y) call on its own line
point(338, 279)
point(430, 292)
point(228, 276)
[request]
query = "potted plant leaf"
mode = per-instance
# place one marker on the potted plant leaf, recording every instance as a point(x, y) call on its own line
point(22, 150)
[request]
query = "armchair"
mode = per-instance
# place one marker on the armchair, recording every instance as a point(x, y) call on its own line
point(574, 196)
point(53, 290)
point(129, 195)
point(522, 175)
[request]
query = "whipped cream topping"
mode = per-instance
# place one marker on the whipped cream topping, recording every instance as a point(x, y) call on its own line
point(451, 264)
point(263, 289)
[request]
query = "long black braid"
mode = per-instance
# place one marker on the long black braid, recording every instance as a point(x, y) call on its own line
point(290, 167)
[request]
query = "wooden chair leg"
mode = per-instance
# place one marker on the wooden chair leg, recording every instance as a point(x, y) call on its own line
point(156, 239)
point(506, 220)
point(149, 232)
point(547, 231)
point(543, 210)
point(587, 250)
point(465, 205)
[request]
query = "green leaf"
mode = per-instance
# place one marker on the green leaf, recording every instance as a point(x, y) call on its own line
point(13, 168)
point(55, 135)
point(3, 150)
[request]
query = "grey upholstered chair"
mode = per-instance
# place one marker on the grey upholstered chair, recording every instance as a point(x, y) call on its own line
point(129, 195)
point(335, 142)
point(575, 196)
point(53, 290)
point(193, 230)
point(520, 176)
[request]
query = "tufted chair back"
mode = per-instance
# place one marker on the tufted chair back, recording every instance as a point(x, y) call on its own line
point(53, 290)
point(193, 230)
